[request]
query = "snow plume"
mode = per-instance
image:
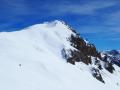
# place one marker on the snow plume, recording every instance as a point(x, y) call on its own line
point(31, 59)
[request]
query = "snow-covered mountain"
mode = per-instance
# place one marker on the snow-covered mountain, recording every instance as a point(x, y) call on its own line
point(52, 56)
point(114, 56)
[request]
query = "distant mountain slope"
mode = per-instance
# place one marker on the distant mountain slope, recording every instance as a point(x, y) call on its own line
point(113, 55)
point(36, 57)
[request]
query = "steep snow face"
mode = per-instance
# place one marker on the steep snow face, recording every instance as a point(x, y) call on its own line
point(31, 59)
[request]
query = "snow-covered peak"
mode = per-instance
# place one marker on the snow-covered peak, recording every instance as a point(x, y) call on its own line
point(31, 59)
point(52, 35)
point(52, 24)
point(55, 22)
point(57, 27)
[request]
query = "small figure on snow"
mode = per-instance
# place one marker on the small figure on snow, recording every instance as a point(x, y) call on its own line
point(20, 65)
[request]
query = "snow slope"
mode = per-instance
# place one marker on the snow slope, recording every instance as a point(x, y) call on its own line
point(30, 59)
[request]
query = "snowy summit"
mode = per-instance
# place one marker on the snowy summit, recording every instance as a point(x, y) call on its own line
point(37, 58)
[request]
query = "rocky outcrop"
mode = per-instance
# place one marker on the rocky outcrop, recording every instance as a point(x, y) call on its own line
point(108, 64)
point(84, 52)
point(96, 74)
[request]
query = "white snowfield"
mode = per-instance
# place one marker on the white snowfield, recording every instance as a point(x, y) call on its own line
point(30, 59)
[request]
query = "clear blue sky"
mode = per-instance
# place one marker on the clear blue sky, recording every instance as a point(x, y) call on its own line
point(96, 20)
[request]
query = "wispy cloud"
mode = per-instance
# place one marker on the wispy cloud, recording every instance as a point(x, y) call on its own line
point(113, 18)
point(112, 21)
point(81, 9)
point(92, 29)
point(21, 7)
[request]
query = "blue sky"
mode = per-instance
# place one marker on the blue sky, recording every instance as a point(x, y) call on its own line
point(96, 20)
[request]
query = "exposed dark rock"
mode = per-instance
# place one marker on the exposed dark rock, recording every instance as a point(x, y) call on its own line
point(97, 63)
point(97, 75)
point(108, 64)
point(85, 51)
point(109, 67)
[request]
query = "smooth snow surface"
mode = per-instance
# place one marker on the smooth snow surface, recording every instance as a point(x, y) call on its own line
point(31, 59)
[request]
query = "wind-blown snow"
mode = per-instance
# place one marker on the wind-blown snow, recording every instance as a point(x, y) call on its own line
point(31, 59)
